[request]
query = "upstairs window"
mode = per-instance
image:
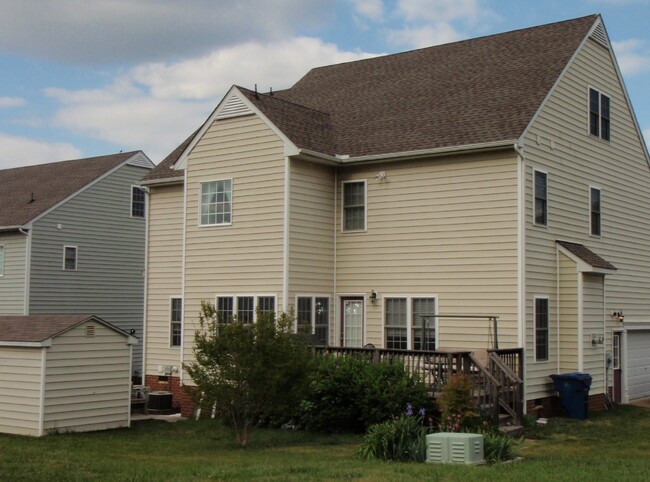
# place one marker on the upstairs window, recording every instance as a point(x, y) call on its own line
point(541, 198)
point(216, 205)
point(598, 114)
point(138, 202)
point(176, 319)
point(594, 211)
point(354, 205)
point(70, 258)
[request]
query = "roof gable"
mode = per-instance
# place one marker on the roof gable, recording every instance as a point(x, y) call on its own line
point(28, 192)
point(587, 260)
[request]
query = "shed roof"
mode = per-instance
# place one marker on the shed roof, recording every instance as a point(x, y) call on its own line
point(586, 255)
point(38, 328)
point(465, 93)
point(27, 192)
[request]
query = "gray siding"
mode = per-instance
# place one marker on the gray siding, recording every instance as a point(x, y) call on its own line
point(12, 275)
point(109, 279)
point(87, 381)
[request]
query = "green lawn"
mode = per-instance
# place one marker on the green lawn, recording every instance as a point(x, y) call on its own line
point(608, 446)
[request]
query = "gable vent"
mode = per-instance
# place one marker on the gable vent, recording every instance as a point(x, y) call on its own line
point(234, 107)
point(90, 331)
point(599, 35)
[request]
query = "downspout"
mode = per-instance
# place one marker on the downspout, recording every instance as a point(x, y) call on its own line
point(521, 257)
point(334, 298)
point(146, 287)
point(28, 268)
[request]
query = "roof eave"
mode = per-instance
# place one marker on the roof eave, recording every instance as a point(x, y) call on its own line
point(163, 182)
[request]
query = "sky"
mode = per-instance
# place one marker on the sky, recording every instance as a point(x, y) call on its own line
point(82, 78)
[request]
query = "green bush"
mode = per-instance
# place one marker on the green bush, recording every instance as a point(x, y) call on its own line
point(402, 439)
point(349, 394)
point(497, 446)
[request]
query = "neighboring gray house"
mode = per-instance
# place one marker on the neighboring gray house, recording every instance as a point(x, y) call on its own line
point(72, 240)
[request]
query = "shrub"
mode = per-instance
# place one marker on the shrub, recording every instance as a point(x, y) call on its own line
point(458, 406)
point(402, 439)
point(497, 446)
point(348, 394)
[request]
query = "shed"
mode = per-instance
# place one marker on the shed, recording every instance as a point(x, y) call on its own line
point(63, 373)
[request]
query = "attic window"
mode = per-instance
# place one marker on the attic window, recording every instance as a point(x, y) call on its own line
point(90, 331)
point(598, 114)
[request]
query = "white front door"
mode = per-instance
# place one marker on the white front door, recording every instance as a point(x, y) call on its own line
point(352, 322)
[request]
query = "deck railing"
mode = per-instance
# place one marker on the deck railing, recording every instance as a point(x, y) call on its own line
point(498, 386)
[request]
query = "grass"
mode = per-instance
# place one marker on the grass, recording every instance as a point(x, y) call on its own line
point(608, 446)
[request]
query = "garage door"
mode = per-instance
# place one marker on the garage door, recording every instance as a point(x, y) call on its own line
point(638, 362)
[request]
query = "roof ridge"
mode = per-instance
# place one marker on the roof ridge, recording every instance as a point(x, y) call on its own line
point(49, 164)
point(272, 96)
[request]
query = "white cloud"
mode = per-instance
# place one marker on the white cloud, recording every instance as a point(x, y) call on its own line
point(633, 56)
point(372, 9)
point(425, 36)
point(119, 31)
point(153, 107)
point(21, 151)
point(8, 102)
point(439, 11)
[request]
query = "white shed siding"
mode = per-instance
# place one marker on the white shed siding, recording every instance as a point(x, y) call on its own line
point(559, 143)
point(246, 257)
point(87, 381)
point(20, 390)
point(445, 227)
point(164, 272)
point(12, 278)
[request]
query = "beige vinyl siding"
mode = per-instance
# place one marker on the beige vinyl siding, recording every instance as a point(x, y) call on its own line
point(593, 322)
point(20, 390)
point(559, 143)
point(444, 227)
point(12, 279)
point(164, 272)
point(246, 257)
point(568, 290)
point(311, 232)
point(87, 381)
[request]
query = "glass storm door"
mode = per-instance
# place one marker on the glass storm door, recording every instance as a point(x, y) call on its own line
point(352, 322)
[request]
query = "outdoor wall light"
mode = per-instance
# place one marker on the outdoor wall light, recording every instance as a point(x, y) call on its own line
point(373, 296)
point(619, 315)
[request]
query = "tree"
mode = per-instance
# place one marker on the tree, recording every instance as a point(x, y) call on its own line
point(247, 370)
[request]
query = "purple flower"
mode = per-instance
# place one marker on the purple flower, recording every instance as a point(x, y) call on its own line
point(409, 410)
point(421, 412)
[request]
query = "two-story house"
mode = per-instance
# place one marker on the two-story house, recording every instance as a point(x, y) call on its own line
point(503, 176)
point(72, 240)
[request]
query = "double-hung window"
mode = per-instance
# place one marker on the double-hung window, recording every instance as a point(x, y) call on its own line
point(354, 205)
point(244, 308)
point(541, 329)
point(176, 321)
point(313, 313)
point(138, 202)
point(594, 211)
point(2, 260)
point(70, 258)
point(599, 114)
point(216, 203)
point(541, 198)
point(409, 323)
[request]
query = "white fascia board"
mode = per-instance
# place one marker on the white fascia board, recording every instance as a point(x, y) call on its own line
point(28, 344)
point(84, 188)
point(167, 181)
point(583, 266)
point(290, 148)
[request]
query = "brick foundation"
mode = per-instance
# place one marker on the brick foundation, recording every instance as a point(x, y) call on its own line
point(181, 398)
point(551, 407)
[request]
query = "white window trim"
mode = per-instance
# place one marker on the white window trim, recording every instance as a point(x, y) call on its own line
point(232, 198)
point(541, 171)
point(601, 212)
point(171, 322)
point(76, 257)
point(548, 329)
point(409, 317)
point(3, 250)
point(600, 124)
point(245, 295)
point(145, 203)
point(313, 310)
point(365, 206)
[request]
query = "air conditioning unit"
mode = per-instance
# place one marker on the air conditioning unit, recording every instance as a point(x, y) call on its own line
point(455, 448)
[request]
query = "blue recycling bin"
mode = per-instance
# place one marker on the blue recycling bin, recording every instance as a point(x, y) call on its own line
point(573, 389)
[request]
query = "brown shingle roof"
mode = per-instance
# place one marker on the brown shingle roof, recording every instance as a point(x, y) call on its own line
point(586, 255)
point(26, 192)
point(163, 170)
point(36, 328)
point(474, 91)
